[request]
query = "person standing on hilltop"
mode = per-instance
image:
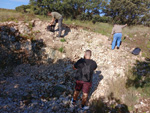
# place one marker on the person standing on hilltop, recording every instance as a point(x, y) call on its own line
point(117, 35)
point(56, 17)
point(85, 69)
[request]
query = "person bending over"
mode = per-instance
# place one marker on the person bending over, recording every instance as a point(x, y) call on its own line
point(56, 17)
point(117, 35)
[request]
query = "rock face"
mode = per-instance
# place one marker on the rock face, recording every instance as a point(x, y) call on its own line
point(41, 78)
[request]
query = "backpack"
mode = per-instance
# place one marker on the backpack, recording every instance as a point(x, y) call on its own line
point(86, 72)
point(136, 51)
point(51, 28)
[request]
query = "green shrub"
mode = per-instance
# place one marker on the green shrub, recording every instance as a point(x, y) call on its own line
point(30, 25)
point(98, 18)
point(63, 40)
point(84, 16)
point(23, 8)
point(148, 44)
point(61, 49)
point(139, 78)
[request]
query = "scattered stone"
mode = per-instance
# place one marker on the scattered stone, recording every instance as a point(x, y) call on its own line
point(41, 77)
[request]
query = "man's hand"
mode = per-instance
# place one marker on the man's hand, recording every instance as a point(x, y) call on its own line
point(52, 21)
point(74, 68)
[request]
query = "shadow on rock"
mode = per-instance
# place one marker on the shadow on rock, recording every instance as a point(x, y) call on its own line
point(112, 105)
point(33, 86)
point(97, 77)
point(65, 29)
point(16, 49)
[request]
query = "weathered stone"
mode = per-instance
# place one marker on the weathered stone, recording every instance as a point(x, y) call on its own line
point(58, 90)
point(12, 29)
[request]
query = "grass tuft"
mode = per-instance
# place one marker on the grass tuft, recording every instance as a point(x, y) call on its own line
point(63, 40)
point(61, 50)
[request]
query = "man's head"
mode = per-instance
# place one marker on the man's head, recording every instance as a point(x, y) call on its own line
point(114, 24)
point(87, 54)
point(49, 14)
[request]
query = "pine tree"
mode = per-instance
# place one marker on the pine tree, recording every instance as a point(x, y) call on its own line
point(126, 11)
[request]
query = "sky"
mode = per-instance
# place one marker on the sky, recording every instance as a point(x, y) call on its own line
point(11, 4)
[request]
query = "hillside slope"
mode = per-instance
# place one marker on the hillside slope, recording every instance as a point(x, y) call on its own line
point(43, 82)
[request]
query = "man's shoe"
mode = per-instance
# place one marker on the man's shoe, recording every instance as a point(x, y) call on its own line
point(59, 36)
point(85, 108)
point(72, 103)
point(117, 47)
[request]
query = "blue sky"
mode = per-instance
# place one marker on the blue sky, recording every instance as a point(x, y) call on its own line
point(11, 4)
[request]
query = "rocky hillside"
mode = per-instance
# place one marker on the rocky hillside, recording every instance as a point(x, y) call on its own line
point(37, 74)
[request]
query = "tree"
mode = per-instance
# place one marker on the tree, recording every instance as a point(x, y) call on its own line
point(23, 8)
point(146, 18)
point(126, 11)
point(68, 8)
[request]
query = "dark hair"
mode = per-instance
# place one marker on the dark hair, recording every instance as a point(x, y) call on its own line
point(49, 12)
point(89, 51)
point(114, 24)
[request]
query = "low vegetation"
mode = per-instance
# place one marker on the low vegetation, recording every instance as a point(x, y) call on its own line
point(63, 40)
point(139, 78)
point(12, 15)
point(98, 106)
point(61, 49)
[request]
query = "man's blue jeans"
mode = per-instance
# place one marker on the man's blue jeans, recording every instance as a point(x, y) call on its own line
point(116, 38)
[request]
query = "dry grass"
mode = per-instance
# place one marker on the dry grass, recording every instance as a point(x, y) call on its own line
point(137, 29)
point(138, 36)
point(103, 28)
point(12, 15)
point(120, 92)
point(8, 15)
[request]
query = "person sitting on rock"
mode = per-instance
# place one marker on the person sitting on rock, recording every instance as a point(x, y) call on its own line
point(117, 35)
point(85, 69)
point(56, 17)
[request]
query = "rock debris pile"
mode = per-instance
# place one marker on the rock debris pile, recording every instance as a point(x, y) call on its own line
point(37, 72)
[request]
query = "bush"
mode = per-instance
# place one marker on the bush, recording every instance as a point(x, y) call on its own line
point(98, 18)
point(23, 8)
point(139, 77)
point(85, 16)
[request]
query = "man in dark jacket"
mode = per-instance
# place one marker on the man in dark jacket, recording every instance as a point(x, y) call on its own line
point(85, 69)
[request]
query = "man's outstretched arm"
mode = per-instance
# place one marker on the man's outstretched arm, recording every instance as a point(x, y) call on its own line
point(52, 21)
point(112, 31)
point(124, 25)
